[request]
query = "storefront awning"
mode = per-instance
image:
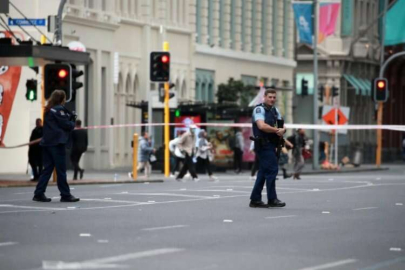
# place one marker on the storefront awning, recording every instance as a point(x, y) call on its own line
point(362, 86)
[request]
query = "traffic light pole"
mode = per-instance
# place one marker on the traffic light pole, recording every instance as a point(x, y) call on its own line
point(167, 120)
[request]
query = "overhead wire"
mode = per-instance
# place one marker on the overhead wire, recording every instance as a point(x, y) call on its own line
point(24, 30)
point(9, 30)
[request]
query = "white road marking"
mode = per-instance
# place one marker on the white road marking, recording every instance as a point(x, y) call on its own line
point(228, 220)
point(182, 189)
point(20, 193)
point(279, 217)
point(29, 207)
point(330, 265)
point(107, 198)
point(316, 189)
point(325, 212)
point(395, 249)
point(102, 241)
point(8, 244)
point(85, 235)
point(112, 201)
point(365, 208)
point(71, 207)
point(168, 194)
point(399, 204)
point(151, 201)
point(124, 192)
point(164, 228)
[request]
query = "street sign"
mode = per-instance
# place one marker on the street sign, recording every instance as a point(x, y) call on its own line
point(328, 116)
point(25, 22)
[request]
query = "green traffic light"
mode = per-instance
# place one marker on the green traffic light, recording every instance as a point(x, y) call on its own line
point(177, 113)
point(31, 96)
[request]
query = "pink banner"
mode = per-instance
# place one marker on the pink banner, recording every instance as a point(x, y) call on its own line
point(328, 13)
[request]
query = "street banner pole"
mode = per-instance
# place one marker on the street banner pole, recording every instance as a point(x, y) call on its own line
point(167, 120)
point(315, 161)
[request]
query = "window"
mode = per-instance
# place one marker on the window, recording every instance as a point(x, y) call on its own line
point(275, 27)
point(232, 26)
point(198, 21)
point(264, 27)
point(243, 25)
point(210, 21)
point(254, 26)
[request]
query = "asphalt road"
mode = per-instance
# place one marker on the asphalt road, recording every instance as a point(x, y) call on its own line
point(346, 221)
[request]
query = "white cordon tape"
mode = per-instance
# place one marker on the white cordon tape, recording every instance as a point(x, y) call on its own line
point(249, 125)
point(243, 125)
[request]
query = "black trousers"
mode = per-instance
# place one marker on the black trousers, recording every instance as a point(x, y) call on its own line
point(188, 165)
point(205, 162)
point(176, 161)
point(237, 159)
point(35, 160)
point(53, 157)
point(75, 159)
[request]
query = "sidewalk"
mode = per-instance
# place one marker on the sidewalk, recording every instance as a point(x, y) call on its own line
point(120, 176)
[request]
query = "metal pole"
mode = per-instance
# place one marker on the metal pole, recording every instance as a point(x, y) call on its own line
point(380, 104)
point(315, 162)
point(167, 120)
point(59, 22)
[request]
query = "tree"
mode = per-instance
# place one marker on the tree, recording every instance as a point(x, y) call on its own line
point(235, 91)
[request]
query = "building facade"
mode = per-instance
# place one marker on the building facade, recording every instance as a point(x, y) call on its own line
point(348, 60)
point(210, 41)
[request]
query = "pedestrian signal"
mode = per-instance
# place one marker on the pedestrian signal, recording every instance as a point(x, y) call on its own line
point(31, 93)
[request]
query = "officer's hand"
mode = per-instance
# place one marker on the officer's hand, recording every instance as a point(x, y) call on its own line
point(280, 132)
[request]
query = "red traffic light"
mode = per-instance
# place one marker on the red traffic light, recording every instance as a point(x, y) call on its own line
point(62, 73)
point(381, 85)
point(165, 59)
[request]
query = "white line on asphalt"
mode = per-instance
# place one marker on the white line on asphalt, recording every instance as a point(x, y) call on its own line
point(228, 220)
point(164, 228)
point(325, 212)
point(102, 241)
point(330, 265)
point(109, 201)
point(168, 194)
point(365, 208)
point(29, 207)
point(395, 249)
point(218, 190)
point(85, 235)
point(279, 217)
point(8, 244)
point(399, 204)
point(20, 193)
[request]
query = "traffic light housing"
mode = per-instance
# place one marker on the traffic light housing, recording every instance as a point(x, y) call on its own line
point(335, 91)
point(380, 90)
point(162, 91)
point(31, 94)
point(160, 66)
point(304, 87)
point(75, 84)
point(58, 77)
point(321, 91)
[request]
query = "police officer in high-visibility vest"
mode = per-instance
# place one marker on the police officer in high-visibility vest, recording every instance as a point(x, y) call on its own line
point(266, 137)
point(58, 125)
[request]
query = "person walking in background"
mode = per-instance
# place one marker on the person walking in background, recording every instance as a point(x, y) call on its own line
point(177, 156)
point(283, 161)
point(186, 145)
point(298, 140)
point(80, 142)
point(59, 123)
point(204, 154)
point(144, 153)
point(238, 150)
point(35, 150)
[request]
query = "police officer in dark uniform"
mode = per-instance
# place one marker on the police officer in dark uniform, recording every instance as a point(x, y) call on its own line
point(58, 124)
point(267, 136)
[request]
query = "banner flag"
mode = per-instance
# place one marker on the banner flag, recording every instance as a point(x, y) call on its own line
point(328, 13)
point(303, 20)
point(395, 24)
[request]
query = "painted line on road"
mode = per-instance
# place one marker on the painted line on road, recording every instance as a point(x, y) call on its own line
point(109, 201)
point(85, 235)
point(167, 194)
point(280, 217)
point(228, 220)
point(104, 263)
point(365, 208)
point(29, 207)
point(395, 249)
point(399, 204)
point(8, 244)
point(384, 264)
point(165, 228)
point(330, 265)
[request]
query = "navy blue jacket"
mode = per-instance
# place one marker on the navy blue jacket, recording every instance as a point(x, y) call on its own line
point(58, 125)
point(271, 116)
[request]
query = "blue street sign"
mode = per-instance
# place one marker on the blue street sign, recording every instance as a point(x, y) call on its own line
point(29, 22)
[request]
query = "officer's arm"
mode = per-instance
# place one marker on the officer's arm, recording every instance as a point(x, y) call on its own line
point(63, 120)
point(265, 127)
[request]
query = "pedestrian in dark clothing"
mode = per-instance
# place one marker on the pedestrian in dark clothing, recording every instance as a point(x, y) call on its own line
point(238, 150)
point(59, 123)
point(79, 146)
point(35, 150)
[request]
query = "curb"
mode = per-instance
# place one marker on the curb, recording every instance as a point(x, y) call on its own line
point(345, 171)
point(9, 184)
